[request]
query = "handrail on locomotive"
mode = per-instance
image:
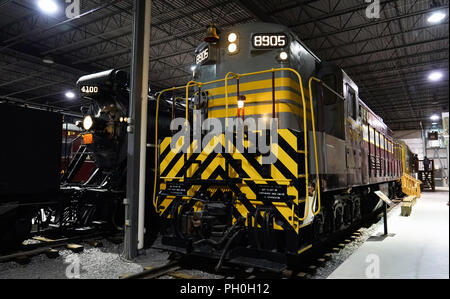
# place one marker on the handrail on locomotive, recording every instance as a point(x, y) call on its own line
point(305, 128)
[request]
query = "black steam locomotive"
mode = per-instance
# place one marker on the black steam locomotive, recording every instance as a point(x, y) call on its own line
point(32, 188)
point(105, 138)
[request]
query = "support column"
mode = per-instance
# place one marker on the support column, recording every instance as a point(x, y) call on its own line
point(137, 131)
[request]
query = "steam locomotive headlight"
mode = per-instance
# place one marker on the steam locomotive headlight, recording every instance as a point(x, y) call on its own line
point(232, 48)
point(284, 56)
point(88, 123)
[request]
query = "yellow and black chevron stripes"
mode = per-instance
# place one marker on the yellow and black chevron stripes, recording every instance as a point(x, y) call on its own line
point(237, 172)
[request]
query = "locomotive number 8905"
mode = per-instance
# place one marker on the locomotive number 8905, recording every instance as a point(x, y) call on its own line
point(269, 41)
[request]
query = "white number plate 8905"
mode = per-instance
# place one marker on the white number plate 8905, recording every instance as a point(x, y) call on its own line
point(269, 41)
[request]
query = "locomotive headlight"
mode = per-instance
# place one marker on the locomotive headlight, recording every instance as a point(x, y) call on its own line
point(232, 48)
point(88, 122)
point(284, 56)
point(232, 37)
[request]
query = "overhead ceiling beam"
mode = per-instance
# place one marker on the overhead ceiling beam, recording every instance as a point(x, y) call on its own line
point(368, 24)
point(4, 2)
point(22, 37)
point(384, 71)
point(390, 48)
point(67, 82)
point(417, 82)
point(390, 59)
point(254, 9)
point(397, 91)
point(334, 14)
point(356, 42)
point(291, 4)
point(39, 106)
point(37, 61)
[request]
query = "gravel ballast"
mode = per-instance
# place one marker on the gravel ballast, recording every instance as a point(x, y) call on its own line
point(107, 263)
point(93, 263)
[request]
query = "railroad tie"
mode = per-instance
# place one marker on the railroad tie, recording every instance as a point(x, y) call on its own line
point(321, 262)
point(23, 260)
point(328, 256)
point(302, 275)
point(76, 248)
point(95, 243)
point(312, 270)
point(180, 275)
point(43, 239)
point(52, 253)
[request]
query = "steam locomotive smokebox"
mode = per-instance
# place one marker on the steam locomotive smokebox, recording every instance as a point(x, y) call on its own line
point(30, 153)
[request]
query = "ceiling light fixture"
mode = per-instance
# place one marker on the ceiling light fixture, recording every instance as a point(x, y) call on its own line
point(435, 76)
point(435, 117)
point(48, 6)
point(70, 95)
point(48, 60)
point(436, 17)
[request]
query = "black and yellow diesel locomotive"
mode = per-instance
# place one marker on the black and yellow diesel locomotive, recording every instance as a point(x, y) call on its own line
point(332, 152)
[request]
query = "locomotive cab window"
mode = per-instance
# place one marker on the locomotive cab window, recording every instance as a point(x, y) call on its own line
point(352, 103)
point(329, 97)
point(362, 114)
point(333, 108)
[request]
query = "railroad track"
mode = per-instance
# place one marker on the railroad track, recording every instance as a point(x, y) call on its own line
point(318, 258)
point(170, 269)
point(51, 247)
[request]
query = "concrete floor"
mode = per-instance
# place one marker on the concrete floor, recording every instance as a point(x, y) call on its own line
point(418, 247)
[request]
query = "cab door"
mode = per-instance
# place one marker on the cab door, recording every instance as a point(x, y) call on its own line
point(353, 137)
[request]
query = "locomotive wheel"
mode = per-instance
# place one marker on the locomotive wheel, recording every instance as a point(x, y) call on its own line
point(357, 209)
point(348, 211)
point(338, 216)
point(318, 227)
point(328, 219)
